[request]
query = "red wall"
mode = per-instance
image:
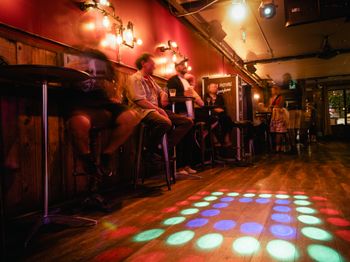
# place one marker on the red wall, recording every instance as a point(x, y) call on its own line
point(61, 20)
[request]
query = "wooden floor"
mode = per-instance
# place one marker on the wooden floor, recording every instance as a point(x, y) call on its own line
point(303, 215)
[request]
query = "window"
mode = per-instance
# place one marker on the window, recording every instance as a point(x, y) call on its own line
point(339, 106)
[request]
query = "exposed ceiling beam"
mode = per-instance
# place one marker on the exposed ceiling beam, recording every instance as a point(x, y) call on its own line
point(191, 6)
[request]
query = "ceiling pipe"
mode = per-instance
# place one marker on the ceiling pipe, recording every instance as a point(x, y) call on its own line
point(223, 48)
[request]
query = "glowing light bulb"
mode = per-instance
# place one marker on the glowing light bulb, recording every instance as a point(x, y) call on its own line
point(173, 44)
point(119, 39)
point(89, 26)
point(104, 2)
point(104, 43)
point(174, 58)
point(256, 96)
point(139, 41)
point(238, 11)
point(189, 68)
point(105, 21)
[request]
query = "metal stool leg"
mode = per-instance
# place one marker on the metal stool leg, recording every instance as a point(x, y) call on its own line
point(139, 153)
point(166, 160)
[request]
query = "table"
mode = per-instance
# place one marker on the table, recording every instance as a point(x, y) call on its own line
point(42, 75)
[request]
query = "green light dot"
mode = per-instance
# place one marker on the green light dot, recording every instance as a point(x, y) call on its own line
point(246, 245)
point(174, 221)
point(217, 193)
point(189, 211)
point(306, 210)
point(282, 250)
point(210, 198)
point(210, 241)
point(148, 235)
point(302, 202)
point(282, 196)
point(301, 197)
point(201, 204)
point(316, 233)
point(311, 220)
point(323, 254)
point(249, 195)
point(233, 194)
point(180, 238)
point(265, 195)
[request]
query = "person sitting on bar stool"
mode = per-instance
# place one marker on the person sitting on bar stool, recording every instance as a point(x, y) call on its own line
point(90, 107)
point(147, 97)
point(222, 137)
point(184, 88)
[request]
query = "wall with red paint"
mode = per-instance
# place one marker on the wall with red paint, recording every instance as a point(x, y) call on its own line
point(153, 23)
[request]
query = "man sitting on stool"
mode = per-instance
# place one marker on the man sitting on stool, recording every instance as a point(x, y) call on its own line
point(146, 96)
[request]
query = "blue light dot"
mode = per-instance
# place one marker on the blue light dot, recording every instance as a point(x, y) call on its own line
point(224, 225)
point(262, 200)
point(282, 202)
point(210, 212)
point(282, 231)
point(251, 228)
point(282, 218)
point(220, 205)
point(198, 222)
point(282, 209)
point(227, 199)
point(245, 200)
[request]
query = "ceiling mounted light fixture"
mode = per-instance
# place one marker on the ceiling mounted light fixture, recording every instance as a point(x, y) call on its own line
point(238, 10)
point(267, 9)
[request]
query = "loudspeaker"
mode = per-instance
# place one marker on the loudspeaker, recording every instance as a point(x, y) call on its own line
point(301, 11)
point(215, 30)
point(251, 68)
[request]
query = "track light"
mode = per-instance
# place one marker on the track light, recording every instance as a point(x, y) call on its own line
point(238, 10)
point(267, 9)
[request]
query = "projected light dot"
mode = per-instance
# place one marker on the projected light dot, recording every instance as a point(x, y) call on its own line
point(337, 221)
point(210, 213)
point(282, 196)
point(201, 204)
point(322, 253)
point(148, 235)
point(198, 222)
point(233, 194)
point(210, 198)
point(282, 202)
point(251, 228)
point(245, 200)
point(282, 250)
point(220, 205)
point(281, 218)
point(249, 195)
point(282, 209)
point(302, 202)
point(306, 210)
point(310, 220)
point(316, 233)
point(224, 225)
point(180, 238)
point(210, 241)
point(265, 195)
point(174, 221)
point(217, 193)
point(189, 211)
point(246, 245)
point(282, 231)
point(329, 211)
point(301, 197)
point(227, 199)
point(262, 200)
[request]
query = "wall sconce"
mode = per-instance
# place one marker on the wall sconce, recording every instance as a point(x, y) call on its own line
point(117, 33)
point(173, 48)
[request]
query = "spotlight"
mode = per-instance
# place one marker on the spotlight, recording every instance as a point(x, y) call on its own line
point(238, 10)
point(267, 9)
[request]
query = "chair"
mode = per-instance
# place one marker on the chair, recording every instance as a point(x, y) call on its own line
point(165, 159)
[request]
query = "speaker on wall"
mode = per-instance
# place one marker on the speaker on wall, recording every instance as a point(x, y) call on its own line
point(215, 30)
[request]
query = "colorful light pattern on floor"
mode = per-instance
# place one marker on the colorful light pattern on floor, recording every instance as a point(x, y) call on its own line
point(292, 229)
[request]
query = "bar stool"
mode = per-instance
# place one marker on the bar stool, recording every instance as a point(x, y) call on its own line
point(242, 156)
point(140, 148)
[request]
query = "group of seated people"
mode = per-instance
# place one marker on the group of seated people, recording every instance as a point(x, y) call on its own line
point(89, 106)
